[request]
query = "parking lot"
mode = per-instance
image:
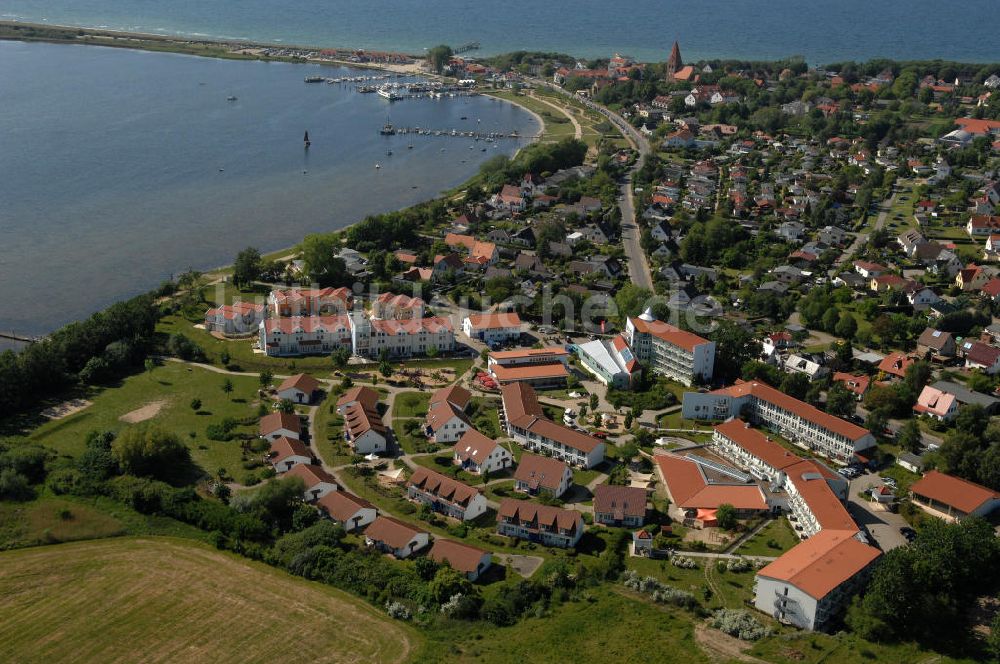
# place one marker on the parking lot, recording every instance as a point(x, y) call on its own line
point(881, 525)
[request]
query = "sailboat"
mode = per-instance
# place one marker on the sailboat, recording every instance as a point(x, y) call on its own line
point(306, 139)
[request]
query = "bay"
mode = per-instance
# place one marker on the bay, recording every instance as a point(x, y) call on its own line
point(822, 31)
point(120, 168)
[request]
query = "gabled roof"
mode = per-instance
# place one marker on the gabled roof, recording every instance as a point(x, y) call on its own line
point(529, 371)
point(283, 448)
point(519, 402)
point(620, 501)
point(896, 364)
point(474, 446)
point(441, 412)
point(823, 562)
point(311, 475)
point(571, 438)
point(275, 421)
point(302, 382)
point(455, 394)
point(359, 420)
point(953, 491)
point(442, 487)
point(540, 472)
point(341, 505)
point(765, 392)
point(932, 338)
point(498, 320)
point(306, 324)
point(757, 444)
point(667, 332)
point(856, 383)
point(546, 515)
point(461, 557)
point(362, 394)
point(391, 532)
point(934, 401)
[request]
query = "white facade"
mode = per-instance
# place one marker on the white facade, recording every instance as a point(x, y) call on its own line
point(669, 351)
point(493, 329)
point(310, 335)
point(800, 423)
point(400, 338)
point(370, 442)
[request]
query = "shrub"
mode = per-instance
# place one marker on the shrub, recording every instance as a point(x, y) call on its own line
point(14, 486)
point(658, 591)
point(397, 610)
point(684, 562)
point(740, 624)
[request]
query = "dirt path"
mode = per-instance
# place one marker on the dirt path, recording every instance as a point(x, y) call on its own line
point(577, 129)
point(65, 409)
point(722, 646)
point(147, 412)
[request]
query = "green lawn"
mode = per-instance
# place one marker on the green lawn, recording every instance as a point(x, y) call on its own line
point(792, 647)
point(51, 520)
point(411, 404)
point(330, 443)
point(608, 624)
point(170, 389)
point(442, 463)
point(412, 443)
point(777, 532)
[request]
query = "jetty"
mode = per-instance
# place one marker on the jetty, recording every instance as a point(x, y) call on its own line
point(488, 136)
point(465, 48)
point(13, 336)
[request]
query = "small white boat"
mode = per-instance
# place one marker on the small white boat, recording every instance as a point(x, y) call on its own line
point(377, 166)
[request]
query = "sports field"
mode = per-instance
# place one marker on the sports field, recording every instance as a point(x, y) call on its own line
point(168, 600)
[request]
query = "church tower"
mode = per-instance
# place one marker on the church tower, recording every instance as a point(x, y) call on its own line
point(674, 62)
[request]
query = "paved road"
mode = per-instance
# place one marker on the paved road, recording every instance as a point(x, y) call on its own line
point(638, 264)
point(861, 238)
point(882, 526)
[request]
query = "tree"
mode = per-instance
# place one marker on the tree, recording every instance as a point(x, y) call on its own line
point(840, 401)
point(224, 358)
point(340, 357)
point(247, 267)
point(150, 451)
point(319, 256)
point(795, 385)
point(196, 404)
point(909, 437)
point(439, 57)
point(448, 582)
point(734, 347)
point(385, 368)
point(831, 317)
point(286, 406)
point(631, 300)
point(265, 378)
point(227, 386)
point(846, 326)
point(877, 421)
point(594, 401)
point(725, 515)
point(14, 485)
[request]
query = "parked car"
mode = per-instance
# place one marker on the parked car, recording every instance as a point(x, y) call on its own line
point(909, 533)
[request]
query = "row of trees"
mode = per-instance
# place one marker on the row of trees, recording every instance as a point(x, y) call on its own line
point(107, 344)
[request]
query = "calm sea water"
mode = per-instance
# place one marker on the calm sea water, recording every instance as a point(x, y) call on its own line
point(119, 168)
point(821, 30)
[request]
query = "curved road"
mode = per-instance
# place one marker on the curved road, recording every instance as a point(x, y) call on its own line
point(638, 264)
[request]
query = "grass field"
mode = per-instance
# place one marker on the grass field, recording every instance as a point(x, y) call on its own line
point(778, 532)
point(167, 600)
point(171, 387)
point(411, 404)
point(610, 626)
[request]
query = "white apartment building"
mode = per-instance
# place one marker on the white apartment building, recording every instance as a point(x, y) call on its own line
point(802, 424)
point(305, 335)
point(611, 362)
point(670, 351)
point(400, 338)
point(527, 425)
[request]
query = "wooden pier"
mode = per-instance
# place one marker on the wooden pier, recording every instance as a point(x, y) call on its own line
point(13, 336)
point(488, 136)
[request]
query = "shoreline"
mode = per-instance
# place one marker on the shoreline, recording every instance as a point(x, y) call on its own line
point(144, 42)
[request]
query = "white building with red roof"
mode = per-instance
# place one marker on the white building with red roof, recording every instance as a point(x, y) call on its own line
point(364, 430)
point(468, 560)
point(493, 329)
point(445, 494)
point(952, 498)
point(317, 481)
point(393, 536)
point(400, 338)
point(286, 453)
point(940, 405)
point(670, 351)
point(390, 306)
point(304, 335)
point(548, 525)
point(539, 367)
point(526, 423)
point(799, 422)
point(299, 388)
point(310, 301)
point(809, 585)
point(610, 362)
point(348, 510)
point(478, 454)
point(235, 319)
point(276, 425)
point(446, 421)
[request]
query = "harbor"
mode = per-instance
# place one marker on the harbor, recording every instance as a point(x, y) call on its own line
point(398, 90)
point(487, 136)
